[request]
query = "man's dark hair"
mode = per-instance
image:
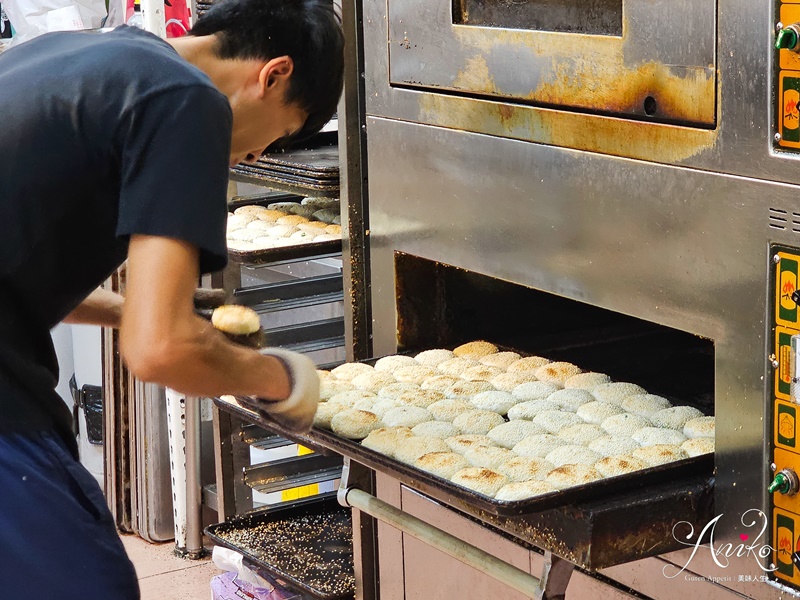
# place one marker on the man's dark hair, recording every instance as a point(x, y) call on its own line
point(309, 31)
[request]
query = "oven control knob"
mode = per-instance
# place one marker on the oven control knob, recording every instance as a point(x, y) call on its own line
point(785, 482)
point(789, 38)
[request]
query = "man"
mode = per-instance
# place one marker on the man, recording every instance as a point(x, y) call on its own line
point(117, 146)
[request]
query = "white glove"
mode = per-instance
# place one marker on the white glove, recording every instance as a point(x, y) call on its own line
point(297, 411)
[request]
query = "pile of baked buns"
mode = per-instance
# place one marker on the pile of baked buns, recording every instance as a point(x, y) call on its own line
point(255, 227)
point(506, 426)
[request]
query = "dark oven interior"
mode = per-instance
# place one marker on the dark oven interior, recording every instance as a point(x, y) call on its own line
point(439, 305)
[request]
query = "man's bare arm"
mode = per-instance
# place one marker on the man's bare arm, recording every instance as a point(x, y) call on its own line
point(163, 341)
point(101, 307)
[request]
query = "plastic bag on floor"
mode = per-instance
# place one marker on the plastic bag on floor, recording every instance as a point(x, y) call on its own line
point(241, 582)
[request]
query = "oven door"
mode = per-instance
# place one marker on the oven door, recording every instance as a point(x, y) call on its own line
point(649, 59)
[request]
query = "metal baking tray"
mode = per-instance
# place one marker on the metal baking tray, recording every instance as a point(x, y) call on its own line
point(311, 183)
point(317, 529)
point(464, 498)
point(284, 253)
point(322, 161)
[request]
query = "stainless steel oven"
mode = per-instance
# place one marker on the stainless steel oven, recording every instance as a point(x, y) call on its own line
point(636, 157)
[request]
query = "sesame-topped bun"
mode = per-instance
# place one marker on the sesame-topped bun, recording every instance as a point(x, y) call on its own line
point(572, 475)
point(414, 373)
point(586, 381)
point(538, 446)
point(556, 420)
point(328, 388)
point(456, 366)
point(582, 433)
point(557, 372)
point(490, 457)
point(293, 220)
point(414, 447)
point(534, 390)
point(243, 235)
point(494, 400)
point(354, 424)
point(483, 481)
point(700, 427)
point(347, 371)
point(675, 417)
point(314, 227)
point(572, 454)
point(597, 412)
point(239, 222)
point(481, 373)
point(439, 382)
point(525, 468)
point(281, 231)
point(380, 406)
point(508, 381)
point(501, 360)
point(235, 319)
point(390, 364)
point(615, 393)
point(510, 434)
point(650, 436)
point(619, 464)
point(529, 410)
point(613, 444)
point(373, 381)
point(449, 408)
point(386, 439)
point(393, 390)
point(475, 349)
point(433, 358)
point(258, 225)
point(442, 464)
point(478, 421)
point(462, 443)
point(348, 398)
point(249, 209)
point(697, 446)
point(660, 454)
point(407, 416)
point(624, 424)
point(269, 216)
point(467, 389)
point(645, 404)
point(528, 364)
point(421, 398)
point(522, 490)
point(439, 429)
point(325, 412)
point(571, 399)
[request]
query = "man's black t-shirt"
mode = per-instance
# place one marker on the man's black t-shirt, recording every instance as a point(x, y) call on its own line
point(102, 136)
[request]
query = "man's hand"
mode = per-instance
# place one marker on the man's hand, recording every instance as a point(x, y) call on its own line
point(101, 307)
point(163, 341)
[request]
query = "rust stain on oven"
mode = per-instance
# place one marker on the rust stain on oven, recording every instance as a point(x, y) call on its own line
point(593, 133)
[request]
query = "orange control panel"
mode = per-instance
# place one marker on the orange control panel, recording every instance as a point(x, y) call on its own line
point(785, 487)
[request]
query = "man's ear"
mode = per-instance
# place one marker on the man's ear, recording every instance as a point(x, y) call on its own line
point(275, 72)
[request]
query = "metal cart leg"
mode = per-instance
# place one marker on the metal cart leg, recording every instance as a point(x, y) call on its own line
point(194, 492)
point(555, 578)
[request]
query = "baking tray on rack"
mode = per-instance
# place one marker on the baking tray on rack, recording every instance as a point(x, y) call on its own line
point(319, 161)
point(307, 545)
point(456, 496)
point(310, 183)
point(284, 253)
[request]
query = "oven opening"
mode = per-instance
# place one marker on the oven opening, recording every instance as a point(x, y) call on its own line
point(441, 306)
point(596, 17)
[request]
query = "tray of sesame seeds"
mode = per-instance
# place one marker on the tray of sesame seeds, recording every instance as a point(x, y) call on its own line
point(307, 545)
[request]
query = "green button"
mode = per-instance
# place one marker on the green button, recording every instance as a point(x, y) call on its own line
point(780, 484)
point(787, 39)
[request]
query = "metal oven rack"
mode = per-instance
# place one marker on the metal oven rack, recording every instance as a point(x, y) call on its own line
point(298, 293)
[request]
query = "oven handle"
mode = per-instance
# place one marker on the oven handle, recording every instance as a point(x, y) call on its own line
point(470, 555)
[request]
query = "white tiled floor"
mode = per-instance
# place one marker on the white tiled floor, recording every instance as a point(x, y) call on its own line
point(164, 576)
